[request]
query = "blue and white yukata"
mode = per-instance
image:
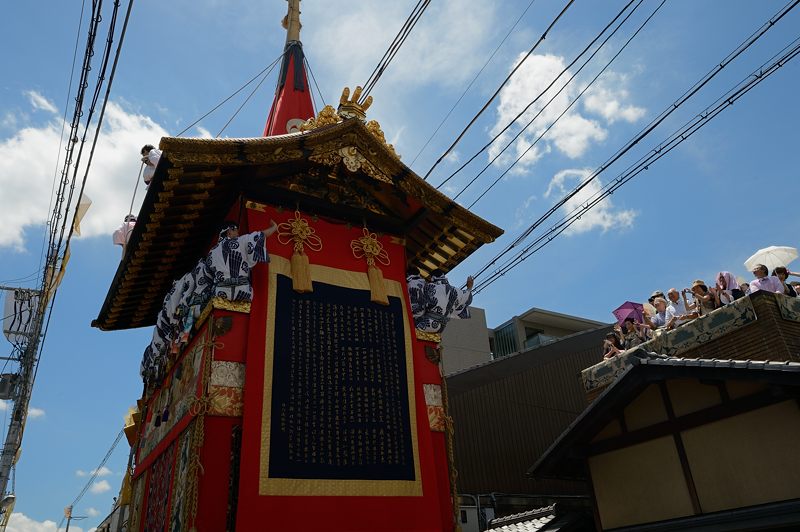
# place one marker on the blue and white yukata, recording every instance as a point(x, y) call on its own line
point(416, 294)
point(438, 303)
point(155, 355)
point(230, 262)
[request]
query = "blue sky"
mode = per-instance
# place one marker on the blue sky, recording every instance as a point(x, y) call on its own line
point(727, 191)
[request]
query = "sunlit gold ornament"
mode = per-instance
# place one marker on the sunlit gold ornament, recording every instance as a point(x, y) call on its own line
point(301, 235)
point(369, 247)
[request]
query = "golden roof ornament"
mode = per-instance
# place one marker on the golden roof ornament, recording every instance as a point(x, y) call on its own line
point(350, 108)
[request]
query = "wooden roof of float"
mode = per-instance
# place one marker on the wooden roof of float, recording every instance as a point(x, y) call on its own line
point(341, 168)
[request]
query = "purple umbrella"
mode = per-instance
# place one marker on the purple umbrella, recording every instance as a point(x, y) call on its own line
point(629, 309)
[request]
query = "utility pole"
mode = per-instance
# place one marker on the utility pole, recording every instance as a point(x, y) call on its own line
point(70, 517)
point(30, 334)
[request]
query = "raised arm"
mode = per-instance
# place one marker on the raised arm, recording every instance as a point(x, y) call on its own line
point(271, 229)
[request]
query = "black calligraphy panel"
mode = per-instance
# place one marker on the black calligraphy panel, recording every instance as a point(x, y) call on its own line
point(340, 407)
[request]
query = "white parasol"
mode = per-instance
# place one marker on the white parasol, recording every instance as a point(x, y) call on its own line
point(772, 257)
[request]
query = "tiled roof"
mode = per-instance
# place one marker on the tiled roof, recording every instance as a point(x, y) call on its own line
point(645, 367)
point(530, 521)
point(767, 365)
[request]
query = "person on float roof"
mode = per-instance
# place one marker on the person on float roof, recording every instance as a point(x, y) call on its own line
point(150, 157)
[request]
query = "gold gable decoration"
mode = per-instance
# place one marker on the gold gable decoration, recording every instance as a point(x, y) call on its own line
point(301, 234)
point(367, 246)
point(350, 108)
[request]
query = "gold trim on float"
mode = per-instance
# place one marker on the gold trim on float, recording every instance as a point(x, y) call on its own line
point(429, 336)
point(332, 487)
point(218, 303)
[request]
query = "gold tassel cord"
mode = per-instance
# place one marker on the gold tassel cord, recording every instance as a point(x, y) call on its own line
point(298, 232)
point(369, 247)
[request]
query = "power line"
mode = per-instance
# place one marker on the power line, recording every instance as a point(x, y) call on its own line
point(246, 100)
point(63, 125)
point(308, 66)
point(469, 85)
point(549, 127)
point(95, 473)
point(552, 83)
point(394, 47)
point(496, 92)
point(649, 128)
point(722, 103)
point(29, 365)
point(237, 91)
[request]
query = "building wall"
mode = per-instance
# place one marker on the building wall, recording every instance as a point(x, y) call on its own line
point(735, 462)
point(465, 343)
point(640, 484)
point(508, 412)
point(748, 459)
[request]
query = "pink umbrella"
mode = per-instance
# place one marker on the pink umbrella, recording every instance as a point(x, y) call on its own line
point(629, 309)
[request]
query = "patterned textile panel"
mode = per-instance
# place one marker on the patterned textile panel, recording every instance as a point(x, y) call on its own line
point(156, 513)
point(673, 343)
point(225, 388)
point(789, 307)
point(180, 487)
point(136, 502)
point(176, 398)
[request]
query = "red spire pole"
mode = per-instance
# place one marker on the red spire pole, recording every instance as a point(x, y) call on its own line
point(292, 104)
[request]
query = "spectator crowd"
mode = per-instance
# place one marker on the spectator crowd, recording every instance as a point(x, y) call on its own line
point(676, 309)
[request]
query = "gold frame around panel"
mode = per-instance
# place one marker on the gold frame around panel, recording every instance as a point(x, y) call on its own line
point(332, 487)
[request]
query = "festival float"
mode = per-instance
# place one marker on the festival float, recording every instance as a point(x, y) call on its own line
point(316, 404)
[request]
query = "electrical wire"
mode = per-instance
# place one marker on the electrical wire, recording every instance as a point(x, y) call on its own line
point(469, 85)
point(394, 47)
point(258, 85)
point(496, 92)
point(791, 51)
point(237, 91)
point(95, 473)
point(755, 36)
point(61, 135)
point(552, 124)
point(549, 86)
point(321, 97)
point(30, 367)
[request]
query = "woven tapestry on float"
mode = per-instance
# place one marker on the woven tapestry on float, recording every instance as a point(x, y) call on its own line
point(157, 510)
point(180, 487)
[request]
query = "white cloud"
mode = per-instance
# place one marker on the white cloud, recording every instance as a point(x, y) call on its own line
point(40, 102)
point(92, 512)
point(101, 486)
point(102, 472)
point(574, 133)
point(3, 406)
point(9, 120)
point(29, 160)
point(446, 47)
point(607, 96)
point(20, 522)
point(602, 216)
point(521, 215)
point(35, 413)
point(204, 133)
point(453, 157)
